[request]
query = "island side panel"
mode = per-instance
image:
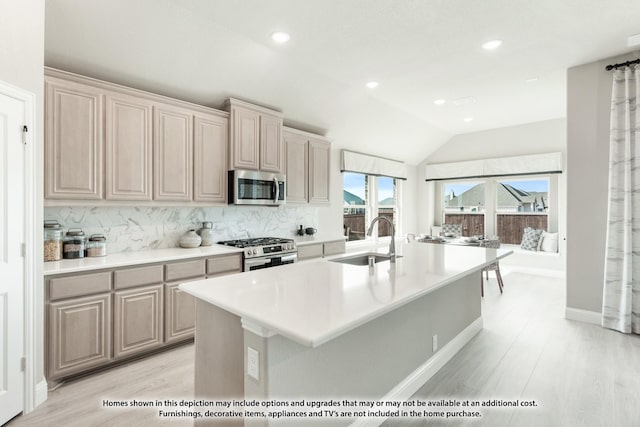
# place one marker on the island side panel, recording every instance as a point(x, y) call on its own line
point(219, 358)
point(370, 360)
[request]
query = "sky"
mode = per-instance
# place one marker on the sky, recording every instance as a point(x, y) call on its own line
point(522, 184)
point(354, 183)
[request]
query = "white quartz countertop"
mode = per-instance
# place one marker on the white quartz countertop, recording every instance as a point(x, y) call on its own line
point(124, 259)
point(313, 302)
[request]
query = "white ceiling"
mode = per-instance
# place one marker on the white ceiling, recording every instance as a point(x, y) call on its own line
point(419, 50)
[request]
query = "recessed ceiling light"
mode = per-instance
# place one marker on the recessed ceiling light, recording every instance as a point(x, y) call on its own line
point(531, 80)
point(280, 37)
point(492, 44)
point(468, 119)
point(372, 85)
point(439, 101)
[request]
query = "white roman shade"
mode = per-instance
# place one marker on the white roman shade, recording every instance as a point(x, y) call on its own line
point(372, 165)
point(534, 164)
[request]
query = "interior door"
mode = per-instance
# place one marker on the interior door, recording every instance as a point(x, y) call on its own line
point(11, 260)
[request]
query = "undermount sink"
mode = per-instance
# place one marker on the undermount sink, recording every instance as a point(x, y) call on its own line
point(363, 259)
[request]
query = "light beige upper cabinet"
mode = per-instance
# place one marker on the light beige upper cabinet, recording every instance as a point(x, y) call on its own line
point(210, 141)
point(307, 161)
point(128, 131)
point(319, 171)
point(172, 153)
point(73, 140)
point(256, 137)
point(296, 167)
point(271, 147)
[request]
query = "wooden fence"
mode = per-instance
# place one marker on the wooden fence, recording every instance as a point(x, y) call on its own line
point(511, 226)
point(355, 227)
point(472, 224)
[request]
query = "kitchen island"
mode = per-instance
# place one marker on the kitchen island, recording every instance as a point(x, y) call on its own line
point(326, 330)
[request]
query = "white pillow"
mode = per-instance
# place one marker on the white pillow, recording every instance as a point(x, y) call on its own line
point(548, 242)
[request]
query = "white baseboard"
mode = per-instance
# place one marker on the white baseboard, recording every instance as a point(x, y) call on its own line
point(41, 393)
point(583, 316)
point(411, 384)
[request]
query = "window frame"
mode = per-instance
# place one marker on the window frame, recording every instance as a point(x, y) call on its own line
point(372, 206)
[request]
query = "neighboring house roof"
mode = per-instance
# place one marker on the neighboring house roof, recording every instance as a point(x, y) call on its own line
point(351, 199)
point(387, 201)
point(507, 196)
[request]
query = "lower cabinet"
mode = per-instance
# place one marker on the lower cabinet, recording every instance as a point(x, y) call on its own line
point(106, 316)
point(79, 334)
point(180, 314)
point(137, 320)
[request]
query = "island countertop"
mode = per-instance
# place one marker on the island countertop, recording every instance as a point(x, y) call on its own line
point(313, 302)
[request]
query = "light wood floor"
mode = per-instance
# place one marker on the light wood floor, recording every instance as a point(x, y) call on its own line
point(579, 374)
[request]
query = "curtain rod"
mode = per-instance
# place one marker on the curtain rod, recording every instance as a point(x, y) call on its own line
point(622, 64)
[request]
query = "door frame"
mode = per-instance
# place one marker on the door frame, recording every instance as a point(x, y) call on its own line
point(34, 393)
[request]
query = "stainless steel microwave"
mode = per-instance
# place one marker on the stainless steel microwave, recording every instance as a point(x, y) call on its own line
point(256, 188)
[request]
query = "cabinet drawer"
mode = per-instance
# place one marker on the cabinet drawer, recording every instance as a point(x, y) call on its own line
point(224, 264)
point(137, 277)
point(332, 248)
point(184, 270)
point(310, 251)
point(74, 286)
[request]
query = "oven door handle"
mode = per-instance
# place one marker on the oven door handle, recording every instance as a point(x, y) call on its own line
point(261, 261)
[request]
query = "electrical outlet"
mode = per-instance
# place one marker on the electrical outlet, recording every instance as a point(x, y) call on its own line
point(253, 363)
point(434, 343)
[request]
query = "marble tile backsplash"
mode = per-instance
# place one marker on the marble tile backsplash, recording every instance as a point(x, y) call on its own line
point(140, 228)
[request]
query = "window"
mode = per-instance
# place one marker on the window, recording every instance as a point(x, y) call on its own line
point(500, 206)
point(359, 208)
point(519, 204)
point(386, 204)
point(464, 204)
point(355, 215)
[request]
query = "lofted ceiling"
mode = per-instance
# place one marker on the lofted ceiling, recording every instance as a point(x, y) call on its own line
point(418, 50)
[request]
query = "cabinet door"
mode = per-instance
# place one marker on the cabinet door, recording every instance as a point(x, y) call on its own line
point(296, 168)
point(172, 154)
point(138, 320)
point(319, 171)
point(271, 146)
point(310, 251)
point(79, 335)
point(245, 133)
point(73, 141)
point(128, 148)
point(180, 314)
point(210, 159)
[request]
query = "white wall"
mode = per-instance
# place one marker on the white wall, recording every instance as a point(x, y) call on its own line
point(22, 65)
point(588, 110)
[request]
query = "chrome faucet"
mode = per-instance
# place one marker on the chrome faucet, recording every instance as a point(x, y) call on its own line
point(392, 246)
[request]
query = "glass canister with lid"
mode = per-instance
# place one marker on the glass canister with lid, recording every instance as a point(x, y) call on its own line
point(52, 240)
point(74, 244)
point(97, 245)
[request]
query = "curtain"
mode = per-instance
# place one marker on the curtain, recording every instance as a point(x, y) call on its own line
point(621, 295)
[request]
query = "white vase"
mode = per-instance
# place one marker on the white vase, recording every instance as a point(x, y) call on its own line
point(206, 233)
point(190, 239)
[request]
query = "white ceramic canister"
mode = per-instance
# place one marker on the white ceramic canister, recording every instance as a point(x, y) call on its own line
point(206, 233)
point(190, 239)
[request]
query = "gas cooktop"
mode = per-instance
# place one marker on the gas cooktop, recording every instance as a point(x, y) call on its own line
point(257, 241)
point(262, 246)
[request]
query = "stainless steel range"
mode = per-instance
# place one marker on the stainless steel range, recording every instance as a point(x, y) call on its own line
point(265, 252)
